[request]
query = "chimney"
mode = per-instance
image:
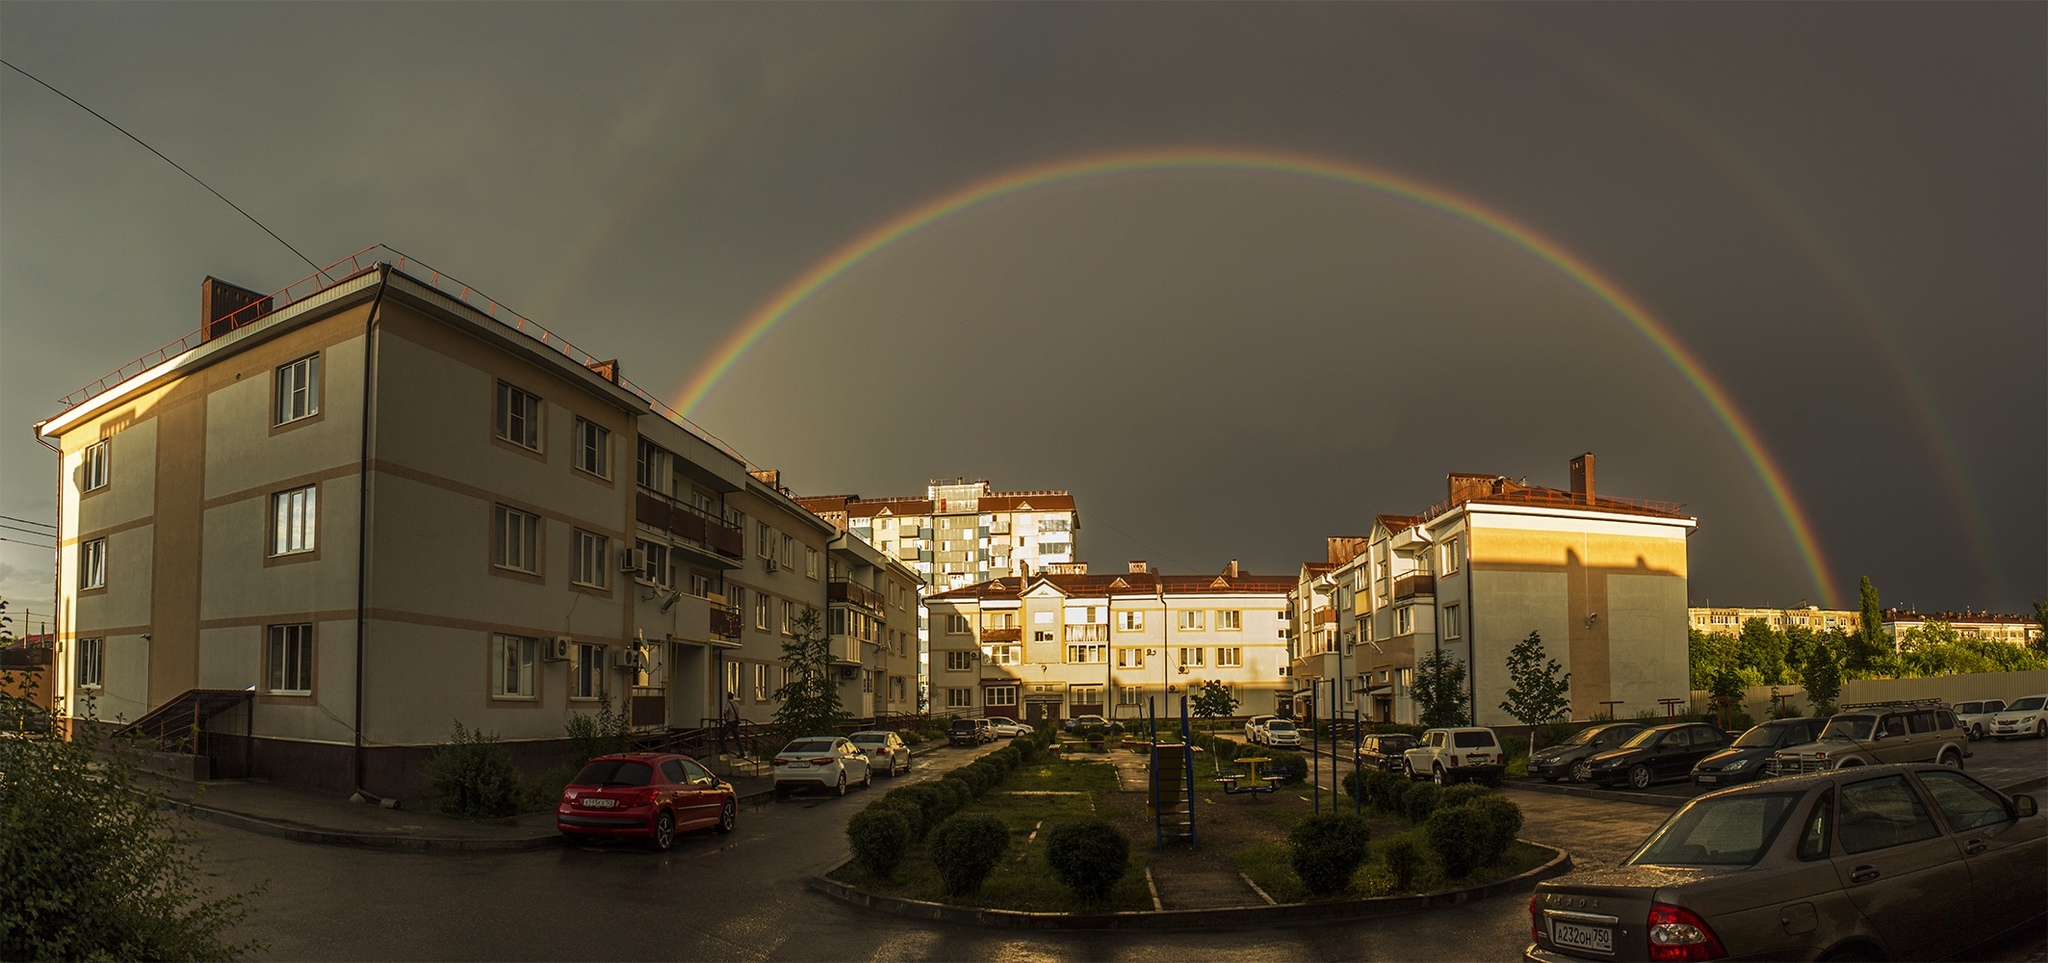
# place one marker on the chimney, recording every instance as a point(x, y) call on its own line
point(1582, 476)
point(1231, 570)
point(224, 307)
point(608, 370)
point(771, 477)
point(1137, 567)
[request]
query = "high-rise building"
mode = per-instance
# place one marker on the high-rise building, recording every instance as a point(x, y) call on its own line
point(961, 532)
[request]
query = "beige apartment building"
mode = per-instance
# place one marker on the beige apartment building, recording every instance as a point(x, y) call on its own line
point(333, 526)
point(1728, 620)
point(1059, 645)
point(1991, 626)
point(963, 532)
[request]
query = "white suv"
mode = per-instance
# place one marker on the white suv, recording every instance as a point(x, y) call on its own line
point(1253, 728)
point(1975, 716)
point(2025, 717)
point(1280, 733)
point(1451, 755)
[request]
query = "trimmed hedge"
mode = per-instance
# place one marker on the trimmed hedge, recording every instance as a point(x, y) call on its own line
point(1457, 836)
point(1461, 794)
point(965, 849)
point(1327, 851)
point(879, 836)
point(1503, 821)
point(1419, 800)
point(1293, 765)
point(1089, 857)
point(1404, 860)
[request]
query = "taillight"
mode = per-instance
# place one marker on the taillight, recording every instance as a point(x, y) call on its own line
point(1535, 922)
point(1454, 760)
point(822, 762)
point(1677, 934)
point(781, 761)
point(646, 797)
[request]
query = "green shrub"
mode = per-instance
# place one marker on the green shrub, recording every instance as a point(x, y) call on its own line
point(598, 734)
point(1388, 791)
point(1327, 850)
point(965, 849)
point(1419, 800)
point(879, 835)
point(907, 807)
point(473, 776)
point(1461, 794)
point(1357, 786)
point(1089, 857)
point(1292, 765)
point(1456, 834)
point(1403, 859)
point(933, 803)
point(960, 794)
point(1503, 821)
point(1514, 747)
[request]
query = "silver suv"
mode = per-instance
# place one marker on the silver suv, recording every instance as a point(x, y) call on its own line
point(1873, 733)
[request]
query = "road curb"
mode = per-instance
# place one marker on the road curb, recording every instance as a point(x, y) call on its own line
point(1235, 917)
point(329, 837)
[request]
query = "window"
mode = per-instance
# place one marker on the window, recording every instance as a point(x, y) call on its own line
point(94, 475)
point(957, 625)
point(1003, 655)
point(1451, 621)
point(1046, 525)
point(653, 470)
point(298, 390)
point(732, 680)
point(1194, 655)
point(1131, 621)
point(654, 567)
point(1404, 620)
point(788, 617)
point(1130, 695)
point(959, 698)
point(291, 659)
point(587, 565)
point(514, 656)
point(586, 674)
point(761, 611)
point(999, 620)
point(1041, 636)
point(1450, 556)
point(958, 661)
point(1966, 803)
point(896, 689)
point(788, 556)
point(760, 682)
point(1881, 813)
point(92, 564)
point(810, 562)
point(292, 521)
point(1130, 658)
point(1087, 652)
point(1229, 620)
point(516, 540)
point(518, 417)
point(1085, 695)
point(92, 656)
point(1000, 695)
point(1191, 621)
point(1229, 657)
point(764, 546)
point(593, 449)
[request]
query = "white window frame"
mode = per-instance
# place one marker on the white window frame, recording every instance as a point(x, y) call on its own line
point(1195, 656)
point(288, 653)
point(1450, 627)
point(958, 661)
point(1130, 620)
point(1230, 657)
point(518, 416)
point(95, 466)
point(652, 469)
point(1004, 654)
point(589, 559)
point(959, 698)
point(92, 564)
point(761, 608)
point(593, 448)
point(810, 563)
point(732, 683)
point(761, 692)
point(295, 521)
point(515, 667)
point(1450, 556)
point(586, 673)
point(1191, 620)
point(1087, 653)
point(92, 663)
point(1404, 620)
point(1075, 692)
point(1229, 620)
point(1130, 657)
point(297, 392)
point(515, 539)
point(999, 695)
point(957, 624)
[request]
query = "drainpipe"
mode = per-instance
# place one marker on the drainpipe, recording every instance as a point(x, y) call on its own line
point(61, 670)
point(1471, 643)
point(363, 523)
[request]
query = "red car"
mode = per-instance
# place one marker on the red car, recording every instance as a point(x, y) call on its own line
point(648, 794)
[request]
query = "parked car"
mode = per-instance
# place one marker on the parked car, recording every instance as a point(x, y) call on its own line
point(1280, 733)
point(1873, 733)
point(654, 795)
point(1007, 728)
point(1383, 751)
point(821, 762)
point(886, 750)
point(1088, 723)
point(1661, 752)
point(1252, 727)
point(1452, 755)
point(1567, 759)
point(969, 732)
point(1879, 863)
point(1975, 716)
point(2024, 717)
point(1752, 754)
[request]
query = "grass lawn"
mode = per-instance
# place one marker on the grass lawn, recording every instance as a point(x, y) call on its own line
point(1270, 866)
point(1030, 801)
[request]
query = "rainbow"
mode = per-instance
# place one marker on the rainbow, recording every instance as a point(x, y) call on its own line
point(1005, 184)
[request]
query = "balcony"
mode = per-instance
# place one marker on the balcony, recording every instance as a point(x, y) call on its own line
point(1001, 635)
point(854, 593)
point(690, 528)
point(725, 622)
point(1410, 586)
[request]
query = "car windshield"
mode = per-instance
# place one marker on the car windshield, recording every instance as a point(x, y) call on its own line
point(1969, 708)
point(1471, 740)
point(1397, 742)
point(1717, 831)
point(1761, 737)
point(1578, 738)
point(1647, 737)
point(614, 772)
point(2027, 704)
point(808, 745)
point(1847, 728)
point(1279, 725)
point(871, 740)
point(962, 725)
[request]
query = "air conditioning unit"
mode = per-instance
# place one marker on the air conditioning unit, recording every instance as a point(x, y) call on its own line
point(555, 649)
point(630, 659)
point(769, 564)
point(848, 671)
point(632, 559)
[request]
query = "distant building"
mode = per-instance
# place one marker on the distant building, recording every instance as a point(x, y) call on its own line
point(1990, 626)
point(1729, 620)
point(963, 532)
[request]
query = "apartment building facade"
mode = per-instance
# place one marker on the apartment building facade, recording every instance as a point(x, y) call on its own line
point(362, 515)
point(1728, 620)
point(1991, 626)
point(962, 532)
point(1059, 645)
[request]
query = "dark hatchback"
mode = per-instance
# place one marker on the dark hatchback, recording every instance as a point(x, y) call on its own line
point(1665, 752)
point(1382, 751)
point(1566, 759)
point(1750, 755)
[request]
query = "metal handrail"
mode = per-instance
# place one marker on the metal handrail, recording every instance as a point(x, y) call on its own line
point(1555, 499)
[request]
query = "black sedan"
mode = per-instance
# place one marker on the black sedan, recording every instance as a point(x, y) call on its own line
point(1567, 759)
point(1665, 752)
point(1751, 755)
point(1384, 751)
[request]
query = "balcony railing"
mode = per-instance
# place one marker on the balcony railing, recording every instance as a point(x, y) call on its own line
point(1557, 499)
point(845, 590)
point(1410, 586)
point(725, 621)
point(689, 524)
point(1001, 635)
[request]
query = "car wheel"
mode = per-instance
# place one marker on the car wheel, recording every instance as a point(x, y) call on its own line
point(1582, 771)
point(1951, 759)
point(867, 779)
point(840, 789)
point(1439, 776)
point(2041, 729)
point(664, 830)
point(727, 814)
point(1639, 777)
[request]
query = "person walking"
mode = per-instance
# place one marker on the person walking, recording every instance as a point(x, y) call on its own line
point(729, 724)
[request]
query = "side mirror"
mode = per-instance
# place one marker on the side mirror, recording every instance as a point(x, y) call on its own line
point(2024, 806)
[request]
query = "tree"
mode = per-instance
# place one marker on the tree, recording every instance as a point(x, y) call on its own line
point(1213, 701)
point(1821, 673)
point(2040, 643)
point(1727, 689)
point(1869, 646)
point(1440, 690)
point(810, 694)
point(1762, 648)
point(1536, 693)
point(1708, 653)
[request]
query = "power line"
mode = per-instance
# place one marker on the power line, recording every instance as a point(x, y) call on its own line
point(26, 521)
point(181, 169)
point(17, 541)
point(27, 531)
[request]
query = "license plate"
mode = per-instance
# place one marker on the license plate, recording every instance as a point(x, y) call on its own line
point(1599, 939)
point(600, 803)
point(1708, 780)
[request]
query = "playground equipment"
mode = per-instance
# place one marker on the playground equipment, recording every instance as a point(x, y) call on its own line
point(1172, 791)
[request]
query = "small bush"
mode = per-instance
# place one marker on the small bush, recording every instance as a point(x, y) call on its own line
point(1357, 786)
point(912, 813)
point(934, 803)
point(1503, 821)
point(1461, 794)
point(1088, 857)
point(1514, 747)
point(1455, 835)
point(1293, 765)
point(599, 734)
point(961, 792)
point(1403, 859)
point(965, 849)
point(473, 776)
point(879, 835)
point(1328, 850)
point(1419, 800)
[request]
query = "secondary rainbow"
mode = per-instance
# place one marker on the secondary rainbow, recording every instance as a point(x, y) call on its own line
point(1133, 162)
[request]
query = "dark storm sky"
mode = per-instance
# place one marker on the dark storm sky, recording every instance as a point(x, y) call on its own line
point(1838, 209)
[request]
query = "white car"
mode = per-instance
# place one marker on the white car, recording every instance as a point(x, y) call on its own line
point(1253, 727)
point(1280, 733)
point(2025, 717)
point(886, 750)
point(1975, 716)
point(821, 762)
point(1451, 755)
point(1007, 728)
